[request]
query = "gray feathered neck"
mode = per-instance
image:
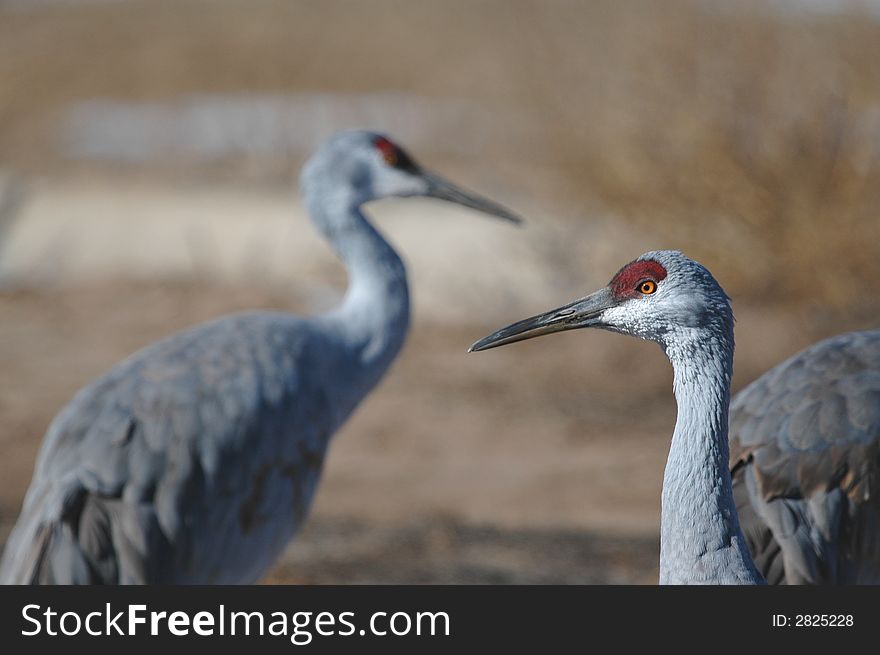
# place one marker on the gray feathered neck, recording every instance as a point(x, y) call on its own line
point(701, 540)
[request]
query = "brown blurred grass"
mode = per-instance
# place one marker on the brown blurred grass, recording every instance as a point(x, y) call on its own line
point(747, 138)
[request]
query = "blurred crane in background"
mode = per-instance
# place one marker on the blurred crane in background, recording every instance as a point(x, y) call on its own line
point(195, 460)
point(805, 437)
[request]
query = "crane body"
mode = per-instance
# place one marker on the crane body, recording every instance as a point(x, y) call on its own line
point(805, 460)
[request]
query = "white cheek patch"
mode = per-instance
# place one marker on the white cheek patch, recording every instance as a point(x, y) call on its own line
point(617, 316)
point(633, 317)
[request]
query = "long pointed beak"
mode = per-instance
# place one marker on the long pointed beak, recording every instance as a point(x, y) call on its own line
point(445, 190)
point(586, 312)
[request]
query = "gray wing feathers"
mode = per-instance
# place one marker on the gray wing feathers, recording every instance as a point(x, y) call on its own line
point(145, 457)
point(805, 453)
point(764, 548)
point(92, 540)
point(794, 541)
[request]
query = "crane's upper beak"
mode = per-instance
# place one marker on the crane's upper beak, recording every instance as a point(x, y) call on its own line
point(586, 312)
point(445, 190)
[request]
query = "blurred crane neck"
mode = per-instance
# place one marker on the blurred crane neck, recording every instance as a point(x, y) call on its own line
point(373, 319)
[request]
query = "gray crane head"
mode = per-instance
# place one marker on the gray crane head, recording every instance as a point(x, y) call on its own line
point(662, 296)
point(358, 166)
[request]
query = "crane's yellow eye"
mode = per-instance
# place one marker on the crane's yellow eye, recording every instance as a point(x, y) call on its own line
point(647, 287)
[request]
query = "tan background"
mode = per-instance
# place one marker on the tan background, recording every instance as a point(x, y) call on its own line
point(148, 153)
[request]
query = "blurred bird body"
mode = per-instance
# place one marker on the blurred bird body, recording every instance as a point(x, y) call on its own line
point(196, 459)
point(192, 461)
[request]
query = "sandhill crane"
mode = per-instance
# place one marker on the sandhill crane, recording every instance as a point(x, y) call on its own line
point(804, 452)
point(666, 297)
point(195, 460)
point(805, 461)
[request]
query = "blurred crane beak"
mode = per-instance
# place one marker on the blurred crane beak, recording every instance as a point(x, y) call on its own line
point(445, 190)
point(586, 312)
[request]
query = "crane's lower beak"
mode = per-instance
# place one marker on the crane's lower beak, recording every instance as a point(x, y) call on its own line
point(586, 312)
point(445, 190)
